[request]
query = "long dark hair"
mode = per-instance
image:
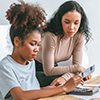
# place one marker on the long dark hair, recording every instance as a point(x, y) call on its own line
point(54, 24)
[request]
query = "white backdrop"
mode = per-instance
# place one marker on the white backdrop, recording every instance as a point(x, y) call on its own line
point(92, 9)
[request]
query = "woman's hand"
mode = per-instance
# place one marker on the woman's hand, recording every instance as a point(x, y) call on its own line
point(58, 81)
point(87, 77)
point(72, 83)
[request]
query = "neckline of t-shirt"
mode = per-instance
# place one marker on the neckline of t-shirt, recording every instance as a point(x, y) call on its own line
point(11, 59)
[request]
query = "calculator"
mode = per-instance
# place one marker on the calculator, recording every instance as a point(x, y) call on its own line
point(85, 90)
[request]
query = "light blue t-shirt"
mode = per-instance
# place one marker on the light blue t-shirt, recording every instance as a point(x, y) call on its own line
point(13, 74)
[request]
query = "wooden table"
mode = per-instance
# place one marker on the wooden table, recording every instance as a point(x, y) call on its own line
point(95, 80)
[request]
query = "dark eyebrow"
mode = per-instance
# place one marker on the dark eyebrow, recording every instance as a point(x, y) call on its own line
point(69, 20)
point(35, 41)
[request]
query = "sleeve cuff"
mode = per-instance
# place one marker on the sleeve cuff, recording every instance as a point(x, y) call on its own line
point(68, 75)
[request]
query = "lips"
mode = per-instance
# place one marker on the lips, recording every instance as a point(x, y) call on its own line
point(34, 55)
point(71, 33)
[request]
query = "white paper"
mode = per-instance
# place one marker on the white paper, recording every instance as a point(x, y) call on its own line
point(88, 85)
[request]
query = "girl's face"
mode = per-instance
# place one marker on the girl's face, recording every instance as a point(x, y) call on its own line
point(71, 22)
point(30, 47)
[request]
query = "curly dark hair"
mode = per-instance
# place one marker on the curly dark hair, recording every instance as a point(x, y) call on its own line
point(24, 18)
point(54, 24)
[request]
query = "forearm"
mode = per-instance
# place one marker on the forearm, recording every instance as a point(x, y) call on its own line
point(51, 91)
point(59, 70)
point(47, 87)
point(35, 94)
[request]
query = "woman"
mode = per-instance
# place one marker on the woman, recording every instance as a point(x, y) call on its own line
point(17, 71)
point(63, 38)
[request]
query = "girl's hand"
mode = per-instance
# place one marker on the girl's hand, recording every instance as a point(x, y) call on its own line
point(72, 83)
point(58, 81)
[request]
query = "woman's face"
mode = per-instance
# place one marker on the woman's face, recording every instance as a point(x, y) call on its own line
point(71, 22)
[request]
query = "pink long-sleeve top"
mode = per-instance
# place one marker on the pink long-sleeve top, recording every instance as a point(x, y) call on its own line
point(54, 50)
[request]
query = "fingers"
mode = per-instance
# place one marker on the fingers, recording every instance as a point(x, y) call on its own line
point(78, 76)
point(54, 82)
point(58, 81)
point(73, 83)
point(78, 79)
point(88, 77)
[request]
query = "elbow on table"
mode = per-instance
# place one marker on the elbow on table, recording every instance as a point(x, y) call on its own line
point(20, 97)
point(47, 73)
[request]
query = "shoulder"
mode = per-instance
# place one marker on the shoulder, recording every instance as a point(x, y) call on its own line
point(5, 63)
point(32, 64)
point(79, 36)
point(48, 36)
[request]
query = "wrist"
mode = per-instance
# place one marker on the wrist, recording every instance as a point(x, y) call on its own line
point(64, 89)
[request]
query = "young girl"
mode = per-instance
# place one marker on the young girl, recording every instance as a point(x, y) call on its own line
point(17, 71)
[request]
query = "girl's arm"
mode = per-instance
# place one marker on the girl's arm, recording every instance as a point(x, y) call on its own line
point(18, 94)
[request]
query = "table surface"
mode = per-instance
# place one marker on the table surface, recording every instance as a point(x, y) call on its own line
point(95, 80)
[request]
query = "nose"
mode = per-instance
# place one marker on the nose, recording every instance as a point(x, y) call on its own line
point(36, 49)
point(71, 26)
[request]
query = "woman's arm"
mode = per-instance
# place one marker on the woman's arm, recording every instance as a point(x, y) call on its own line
point(77, 55)
point(49, 46)
point(48, 52)
point(78, 50)
point(18, 94)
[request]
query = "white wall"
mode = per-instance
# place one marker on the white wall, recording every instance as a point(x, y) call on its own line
point(92, 9)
